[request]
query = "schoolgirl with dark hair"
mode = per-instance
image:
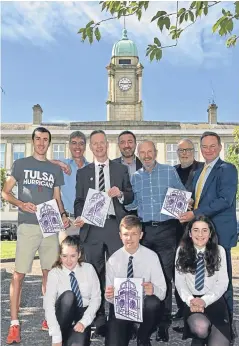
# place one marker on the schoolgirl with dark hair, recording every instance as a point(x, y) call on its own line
point(72, 296)
point(201, 280)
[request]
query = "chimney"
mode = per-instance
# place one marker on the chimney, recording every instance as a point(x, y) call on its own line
point(37, 114)
point(212, 113)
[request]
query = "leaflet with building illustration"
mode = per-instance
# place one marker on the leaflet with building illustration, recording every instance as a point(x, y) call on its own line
point(49, 218)
point(175, 202)
point(128, 299)
point(96, 207)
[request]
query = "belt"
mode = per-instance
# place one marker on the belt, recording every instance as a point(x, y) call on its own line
point(158, 223)
point(110, 217)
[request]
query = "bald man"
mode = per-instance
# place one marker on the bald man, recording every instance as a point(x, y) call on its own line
point(150, 184)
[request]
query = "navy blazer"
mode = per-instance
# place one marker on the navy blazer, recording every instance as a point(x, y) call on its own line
point(218, 201)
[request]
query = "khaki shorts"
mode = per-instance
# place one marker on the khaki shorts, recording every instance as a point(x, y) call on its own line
point(29, 240)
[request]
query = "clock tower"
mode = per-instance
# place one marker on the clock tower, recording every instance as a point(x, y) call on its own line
point(124, 82)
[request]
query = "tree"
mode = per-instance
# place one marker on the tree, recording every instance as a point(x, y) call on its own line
point(3, 179)
point(174, 23)
point(233, 153)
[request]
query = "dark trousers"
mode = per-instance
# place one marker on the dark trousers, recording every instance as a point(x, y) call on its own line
point(99, 245)
point(162, 240)
point(179, 234)
point(67, 312)
point(119, 331)
point(228, 295)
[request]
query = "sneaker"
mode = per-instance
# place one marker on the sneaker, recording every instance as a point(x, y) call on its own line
point(14, 334)
point(44, 325)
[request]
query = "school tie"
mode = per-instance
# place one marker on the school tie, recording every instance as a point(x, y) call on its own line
point(200, 272)
point(75, 289)
point(130, 271)
point(101, 178)
point(200, 186)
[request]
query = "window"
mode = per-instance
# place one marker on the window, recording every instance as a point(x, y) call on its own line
point(171, 154)
point(3, 149)
point(196, 153)
point(18, 151)
point(124, 61)
point(58, 151)
point(226, 147)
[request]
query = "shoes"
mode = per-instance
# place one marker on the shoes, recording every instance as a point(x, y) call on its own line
point(14, 334)
point(98, 332)
point(178, 315)
point(145, 343)
point(178, 329)
point(44, 325)
point(162, 334)
point(196, 342)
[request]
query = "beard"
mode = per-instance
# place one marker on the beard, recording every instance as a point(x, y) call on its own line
point(128, 153)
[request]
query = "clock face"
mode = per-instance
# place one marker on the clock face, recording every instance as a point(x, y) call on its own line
point(125, 84)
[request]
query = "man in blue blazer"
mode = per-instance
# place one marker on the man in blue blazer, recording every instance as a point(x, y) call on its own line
point(214, 193)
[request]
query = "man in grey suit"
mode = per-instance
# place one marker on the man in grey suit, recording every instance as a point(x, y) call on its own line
point(113, 178)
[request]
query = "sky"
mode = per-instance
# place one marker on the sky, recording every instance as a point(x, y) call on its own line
point(44, 62)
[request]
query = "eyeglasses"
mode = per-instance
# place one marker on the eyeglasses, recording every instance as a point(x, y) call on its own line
point(188, 150)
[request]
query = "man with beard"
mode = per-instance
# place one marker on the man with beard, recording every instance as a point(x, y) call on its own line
point(186, 171)
point(150, 184)
point(127, 146)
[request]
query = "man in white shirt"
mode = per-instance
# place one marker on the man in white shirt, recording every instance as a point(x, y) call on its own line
point(134, 260)
point(113, 178)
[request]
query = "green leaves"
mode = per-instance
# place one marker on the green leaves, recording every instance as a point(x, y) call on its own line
point(97, 34)
point(231, 41)
point(154, 51)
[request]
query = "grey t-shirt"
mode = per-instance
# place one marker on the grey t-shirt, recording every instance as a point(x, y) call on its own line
point(36, 181)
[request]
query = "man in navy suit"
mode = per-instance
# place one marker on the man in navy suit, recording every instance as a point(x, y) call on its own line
point(217, 199)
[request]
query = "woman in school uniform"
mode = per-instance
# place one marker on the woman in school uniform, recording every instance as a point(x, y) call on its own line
point(201, 279)
point(72, 296)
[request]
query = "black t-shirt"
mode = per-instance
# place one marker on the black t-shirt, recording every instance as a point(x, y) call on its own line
point(184, 173)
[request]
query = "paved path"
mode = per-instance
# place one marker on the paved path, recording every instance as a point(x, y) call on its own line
point(31, 313)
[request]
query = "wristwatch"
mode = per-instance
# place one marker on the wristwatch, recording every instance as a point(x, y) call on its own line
point(64, 213)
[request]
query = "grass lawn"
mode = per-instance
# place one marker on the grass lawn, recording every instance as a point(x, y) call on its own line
point(235, 250)
point(8, 249)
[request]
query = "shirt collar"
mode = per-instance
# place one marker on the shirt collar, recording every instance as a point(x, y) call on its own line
point(73, 161)
point(154, 169)
point(212, 164)
point(68, 271)
point(134, 161)
point(200, 250)
point(106, 163)
point(134, 254)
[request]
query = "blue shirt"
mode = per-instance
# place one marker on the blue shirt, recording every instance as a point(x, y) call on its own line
point(150, 190)
point(68, 191)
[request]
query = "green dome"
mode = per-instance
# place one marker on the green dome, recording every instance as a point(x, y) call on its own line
point(124, 47)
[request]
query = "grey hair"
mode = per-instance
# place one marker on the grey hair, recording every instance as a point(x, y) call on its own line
point(78, 134)
point(146, 141)
point(186, 140)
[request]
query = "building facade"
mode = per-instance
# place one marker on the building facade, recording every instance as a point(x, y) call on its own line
point(124, 112)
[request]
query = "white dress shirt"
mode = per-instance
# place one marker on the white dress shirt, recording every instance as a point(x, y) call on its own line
point(146, 265)
point(208, 171)
point(58, 281)
point(214, 286)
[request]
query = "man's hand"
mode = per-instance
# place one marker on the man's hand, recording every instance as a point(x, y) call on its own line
point(29, 207)
point(114, 192)
point(186, 217)
point(79, 327)
point(79, 222)
point(190, 204)
point(148, 288)
point(109, 292)
point(66, 221)
point(65, 168)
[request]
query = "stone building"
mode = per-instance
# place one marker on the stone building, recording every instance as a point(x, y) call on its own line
point(124, 112)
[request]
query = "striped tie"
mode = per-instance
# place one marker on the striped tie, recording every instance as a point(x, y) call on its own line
point(75, 289)
point(200, 272)
point(200, 186)
point(101, 178)
point(130, 271)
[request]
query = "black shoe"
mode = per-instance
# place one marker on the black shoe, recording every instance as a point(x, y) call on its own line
point(178, 315)
point(178, 329)
point(196, 342)
point(162, 334)
point(99, 332)
point(145, 343)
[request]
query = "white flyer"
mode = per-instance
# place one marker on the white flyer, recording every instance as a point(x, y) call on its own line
point(175, 202)
point(49, 218)
point(128, 299)
point(96, 207)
